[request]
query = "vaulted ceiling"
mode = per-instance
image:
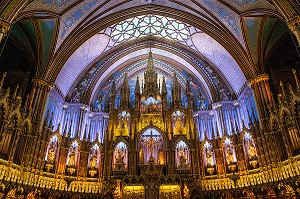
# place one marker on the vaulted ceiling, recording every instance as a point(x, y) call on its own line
point(82, 44)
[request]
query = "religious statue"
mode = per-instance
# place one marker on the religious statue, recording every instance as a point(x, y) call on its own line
point(143, 107)
point(229, 156)
point(224, 96)
point(209, 159)
point(51, 155)
point(252, 152)
point(119, 157)
point(160, 157)
point(182, 158)
point(186, 191)
point(141, 156)
point(151, 143)
point(178, 122)
point(72, 158)
point(159, 107)
point(93, 162)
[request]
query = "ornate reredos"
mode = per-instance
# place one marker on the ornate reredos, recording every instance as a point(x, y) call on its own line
point(150, 87)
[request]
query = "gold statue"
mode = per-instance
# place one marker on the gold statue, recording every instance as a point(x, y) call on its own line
point(51, 155)
point(182, 158)
point(93, 162)
point(229, 156)
point(209, 159)
point(72, 158)
point(252, 152)
point(120, 157)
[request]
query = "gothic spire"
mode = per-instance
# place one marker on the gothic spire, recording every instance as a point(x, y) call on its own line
point(113, 91)
point(188, 87)
point(150, 66)
point(125, 93)
point(164, 86)
point(176, 93)
point(137, 90)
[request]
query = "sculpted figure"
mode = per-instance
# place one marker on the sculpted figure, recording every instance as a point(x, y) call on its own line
point(72, 158)
point(229, 156)
point(182, 158)
point(209, 159)
point(51, 155)
point(93, 162)
point(120, 157)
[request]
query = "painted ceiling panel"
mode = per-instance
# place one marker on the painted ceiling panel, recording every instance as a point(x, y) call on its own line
point(18, 32)
point(28, 27)
point(280, 31)
point(268, 29)
point(79, 60)
point(221, 58)
point(75, 16)
point(253, 25)
point(248, 5)
point(47, 31)
point(113, 68)
point(55, 6)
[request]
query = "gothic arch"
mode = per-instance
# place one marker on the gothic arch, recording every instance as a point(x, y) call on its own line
point(74, 41)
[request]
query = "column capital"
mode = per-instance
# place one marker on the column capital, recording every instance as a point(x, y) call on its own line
point(258, 79)
point(42, 82)
point(294, 24)
point(4, 26)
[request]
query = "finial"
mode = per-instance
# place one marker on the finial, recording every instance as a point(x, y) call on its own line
point(2, 80)
point(65, 129)
point(51, 120)
point(281, 85)
point(15, 93)
point(47, 117)
point(58, 127)
point(296, 79)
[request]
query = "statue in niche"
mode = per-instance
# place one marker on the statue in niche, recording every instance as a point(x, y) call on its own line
point(119, 157)
point(182, 158)
point(159, 107)
point(72, 158)
point(209, 159)
point(142, 161)
point(143, 107)
point(178, 122)
point(224, 96)
point(93, 162)
point(51, 155)
point(251, 151)
point(229, 156)
point(160, 157)
point(76, 96)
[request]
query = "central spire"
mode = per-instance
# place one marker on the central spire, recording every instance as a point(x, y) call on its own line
point(150, 77)
point(150, 66)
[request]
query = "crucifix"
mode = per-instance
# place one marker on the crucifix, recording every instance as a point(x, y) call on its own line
point(151, 141)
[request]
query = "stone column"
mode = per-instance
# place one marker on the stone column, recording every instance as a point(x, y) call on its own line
point(294, 26)
point(40, 134)
point(262, 95)
point(38, 101)
point(4, 28)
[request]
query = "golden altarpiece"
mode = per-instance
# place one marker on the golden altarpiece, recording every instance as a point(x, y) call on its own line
point(156, 147)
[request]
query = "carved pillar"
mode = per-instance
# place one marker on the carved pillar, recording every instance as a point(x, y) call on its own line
point(217, 145)
point(83, 161)
point(262, 94)
point(39, 139)
point(240, 156)
point(4, 28)
point(294, 26)
point(38, 100)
